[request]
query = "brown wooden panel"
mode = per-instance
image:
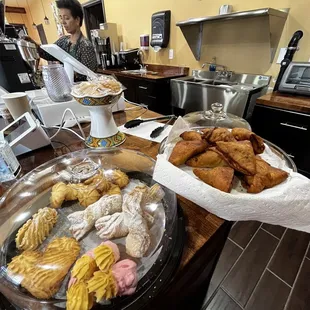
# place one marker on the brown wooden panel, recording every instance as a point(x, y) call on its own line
point(300, 299)
point(289, 255)
point(14, 9)
point(244, 276)
point(270, 294)
point(228, 257)
point(222, 301)
point(242, 232)
point(275, 230)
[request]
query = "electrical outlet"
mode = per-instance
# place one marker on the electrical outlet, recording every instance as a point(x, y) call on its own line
point(171, 53)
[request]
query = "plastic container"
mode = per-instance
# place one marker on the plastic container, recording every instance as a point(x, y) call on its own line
point(32, 192)
point(215, 117)
point(9, 165)
point(57, 82)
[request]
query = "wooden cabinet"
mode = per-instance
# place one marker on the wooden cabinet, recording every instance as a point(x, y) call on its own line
point(288, 129)
point(155, 94)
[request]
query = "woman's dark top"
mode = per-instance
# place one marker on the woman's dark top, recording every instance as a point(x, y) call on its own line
point(83, 51)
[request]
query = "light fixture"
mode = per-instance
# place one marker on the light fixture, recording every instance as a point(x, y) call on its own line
point(46, 20)
point(34, 26)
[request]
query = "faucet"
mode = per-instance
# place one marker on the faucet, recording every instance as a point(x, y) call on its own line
point(142, 65)
point(221, 74)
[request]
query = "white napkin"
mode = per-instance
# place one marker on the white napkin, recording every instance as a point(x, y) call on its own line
point(287, 204)
point(144, 130)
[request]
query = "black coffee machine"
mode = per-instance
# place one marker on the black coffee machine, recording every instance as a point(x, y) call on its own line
point(15, 72)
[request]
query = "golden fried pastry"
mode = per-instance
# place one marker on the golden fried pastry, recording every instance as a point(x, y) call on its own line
point(114, 190)
point(206, 132)
point(239, 155)
point(241, 134)
point(35, 230)
point(78, 297)
point(118, 178)
point(99, 182)
point(58, 195)
point(219, 177)
point(191, 136)
point(208, 159)
point(184, 150)
point(21, 264)
point(84, 268)
point(266, 177)
point(103, 285)
point(219, 134)
point(88, 196)
point(104, 257)
point(43, 279)
point(72, 192)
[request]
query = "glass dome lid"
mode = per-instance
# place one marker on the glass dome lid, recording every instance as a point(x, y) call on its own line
point(22, 203)
point(215, 117)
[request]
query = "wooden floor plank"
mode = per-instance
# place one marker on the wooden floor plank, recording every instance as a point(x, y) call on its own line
point(289, 255)
point(244, 276)
point(222, 301)
point(242, 232)
point(275, 230)
point(270, 294)
point(228, 257)
point(300, 298)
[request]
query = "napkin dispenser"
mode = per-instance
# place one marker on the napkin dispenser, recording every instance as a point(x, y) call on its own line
point(160, 29)
point(296, 79)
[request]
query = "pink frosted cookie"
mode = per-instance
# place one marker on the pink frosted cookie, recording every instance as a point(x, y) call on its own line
point(125, 274)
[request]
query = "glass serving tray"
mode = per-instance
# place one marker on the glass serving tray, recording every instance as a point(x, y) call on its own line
point(32, 192)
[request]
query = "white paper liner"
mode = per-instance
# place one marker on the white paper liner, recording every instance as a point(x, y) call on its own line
point(287, 204)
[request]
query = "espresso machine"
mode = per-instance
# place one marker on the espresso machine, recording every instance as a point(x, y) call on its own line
point(106, 44)
point(19, 59)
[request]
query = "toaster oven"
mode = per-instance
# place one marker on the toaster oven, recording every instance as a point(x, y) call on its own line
point(296, 79)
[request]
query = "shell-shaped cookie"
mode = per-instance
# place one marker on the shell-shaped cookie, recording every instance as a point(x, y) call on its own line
point(78, 297)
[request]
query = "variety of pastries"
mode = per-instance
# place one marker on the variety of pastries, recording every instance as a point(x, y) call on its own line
point(184, 150)
point(35, 230)
point(230, 150)
point(218, 177)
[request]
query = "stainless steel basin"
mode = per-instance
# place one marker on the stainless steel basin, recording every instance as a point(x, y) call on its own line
point(140, 72)
point(237, 93)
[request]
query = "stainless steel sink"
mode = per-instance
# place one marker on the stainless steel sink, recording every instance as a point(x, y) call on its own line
point(137, 72)
point(237, 92)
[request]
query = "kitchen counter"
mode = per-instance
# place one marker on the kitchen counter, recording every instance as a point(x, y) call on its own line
point(286, 101)
point(164, 72)
point(205, 232)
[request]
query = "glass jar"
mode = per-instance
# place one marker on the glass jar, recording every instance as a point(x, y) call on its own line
point(57, 82)
point(215, 117)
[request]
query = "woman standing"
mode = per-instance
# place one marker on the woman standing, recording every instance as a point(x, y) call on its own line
point(76, 44)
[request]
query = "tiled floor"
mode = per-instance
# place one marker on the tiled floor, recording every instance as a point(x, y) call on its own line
point(261, 267)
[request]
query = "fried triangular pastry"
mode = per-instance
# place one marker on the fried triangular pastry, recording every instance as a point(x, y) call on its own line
point(239, 155)
point(184, 150)
point(208, 159)
point(219, 177)
point(191, 136)
point(242, 134)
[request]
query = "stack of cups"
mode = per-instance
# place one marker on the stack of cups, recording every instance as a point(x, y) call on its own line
point(16, 103)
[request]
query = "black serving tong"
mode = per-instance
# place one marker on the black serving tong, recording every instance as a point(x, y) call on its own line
point(157, 131)
point(137, 122)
